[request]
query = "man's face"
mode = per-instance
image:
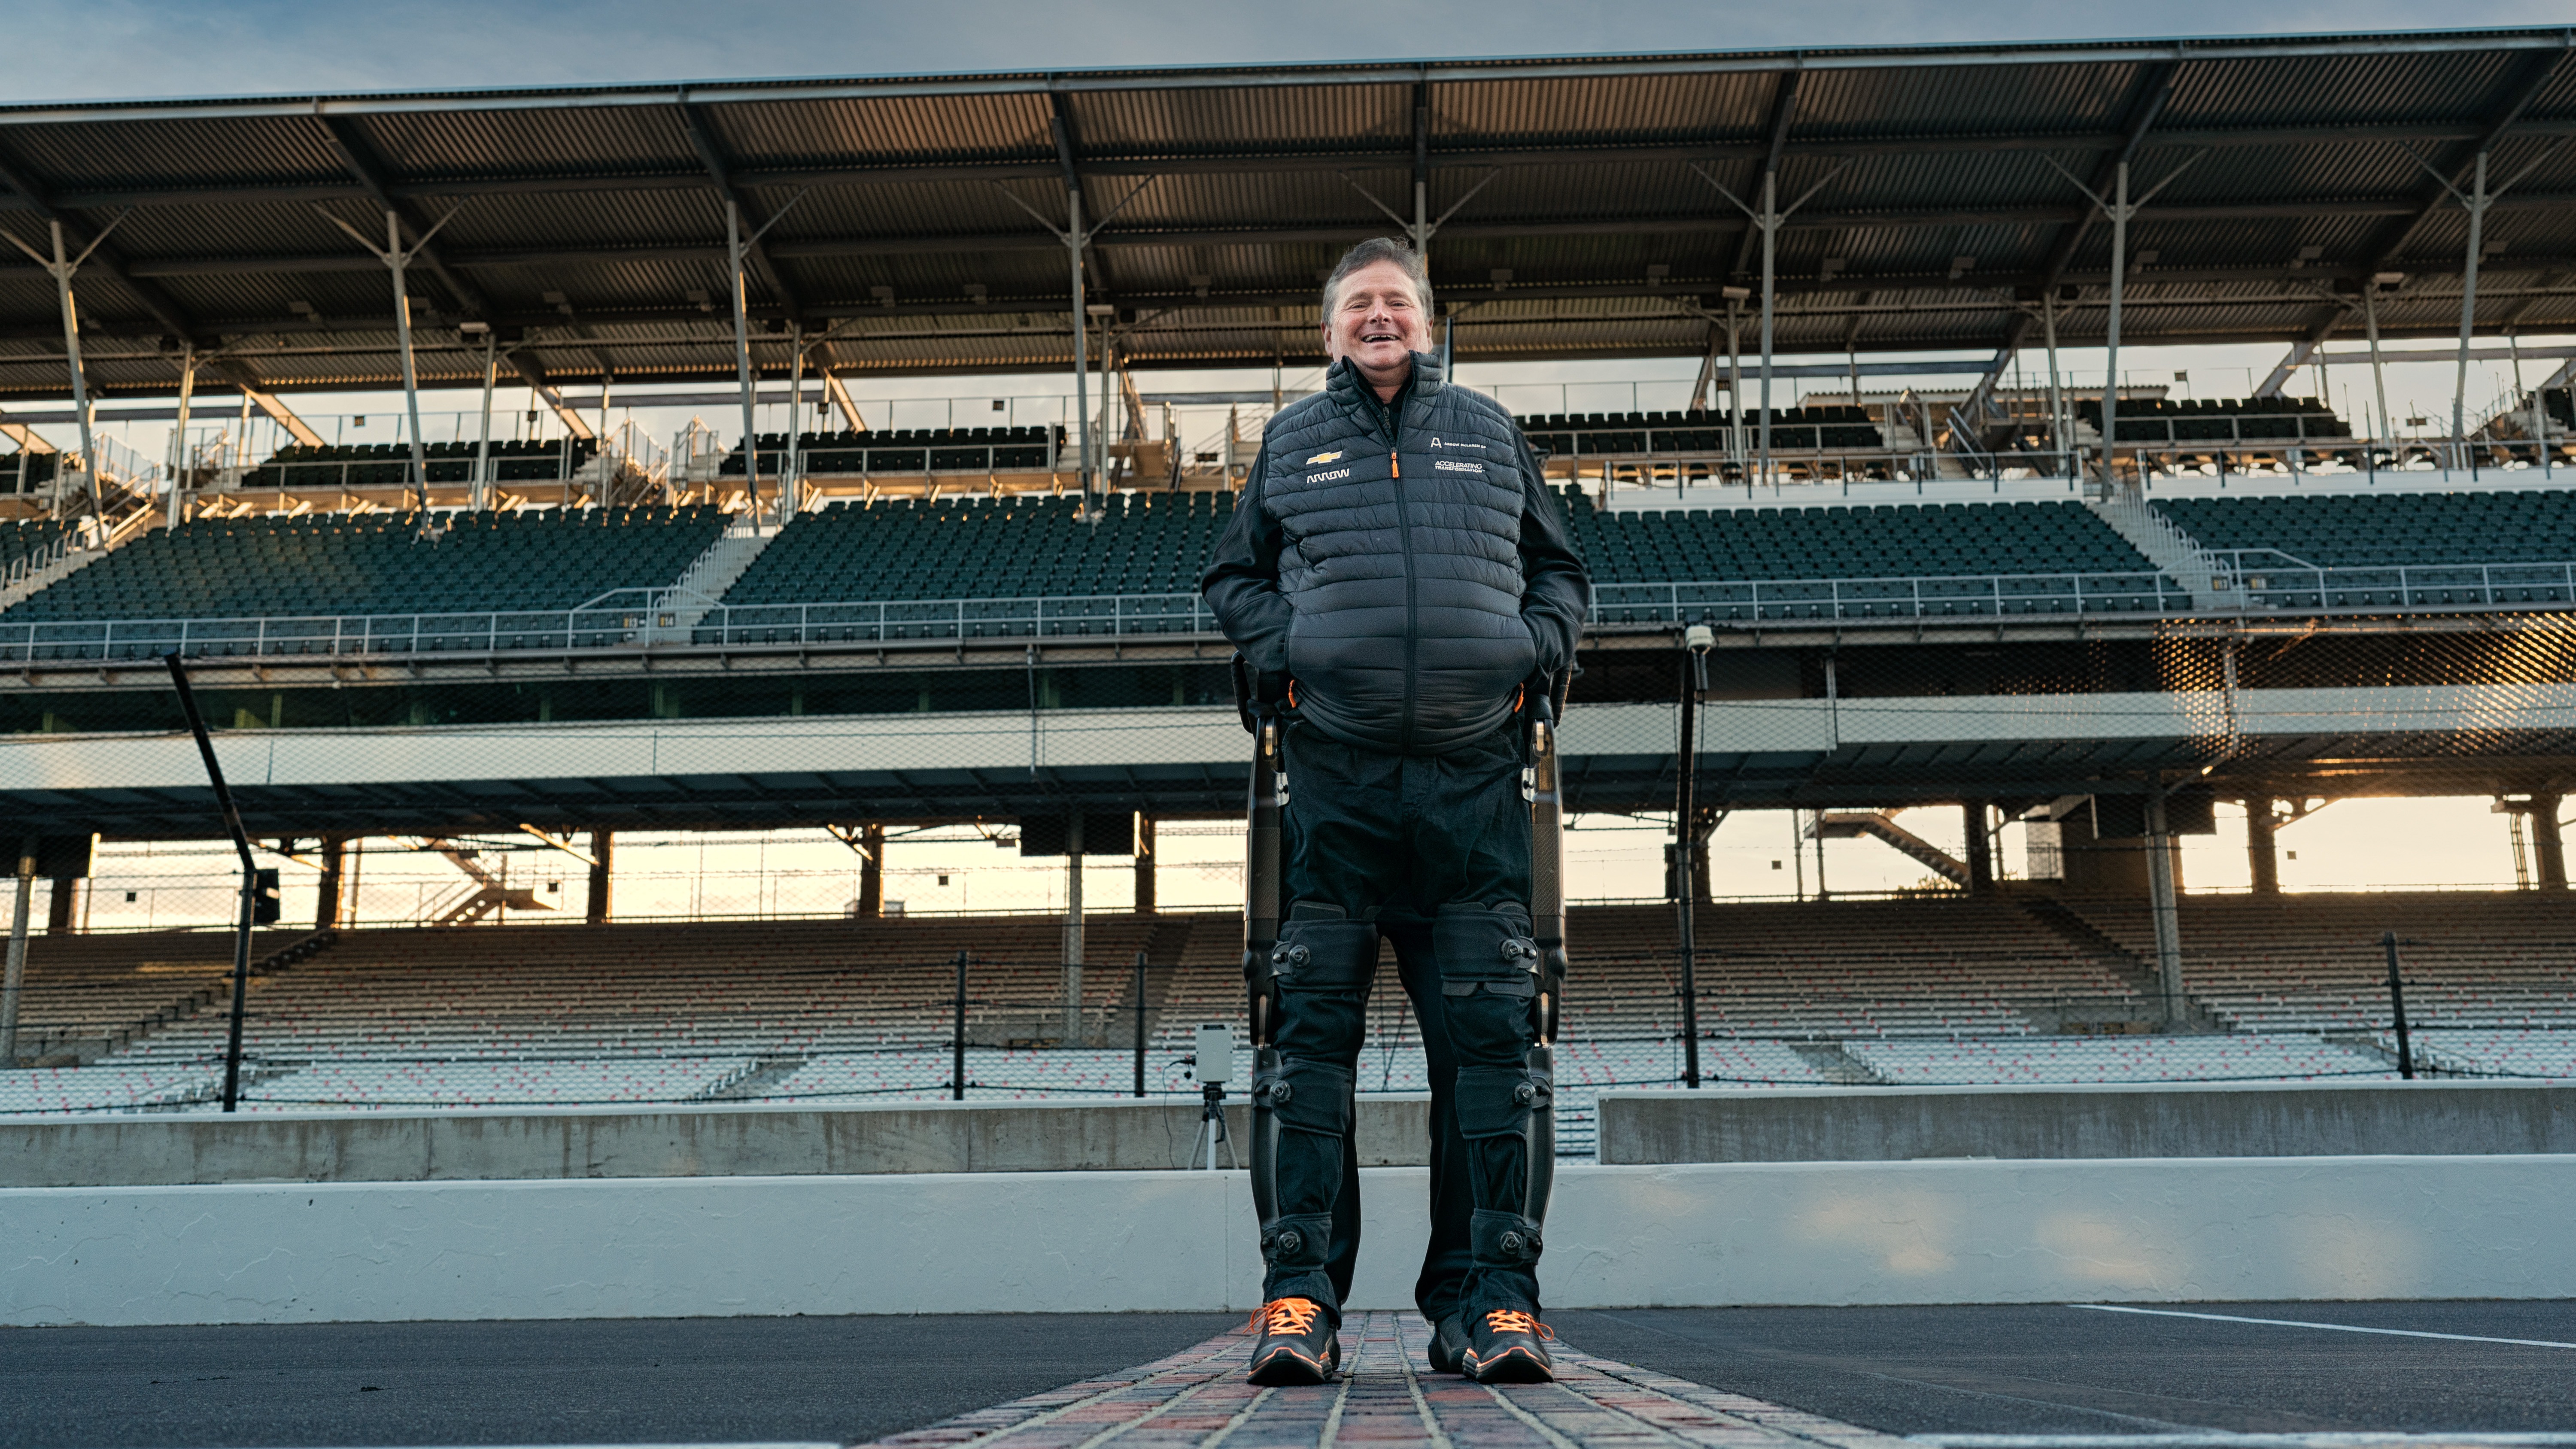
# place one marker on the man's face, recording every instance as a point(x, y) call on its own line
point(1377, 323)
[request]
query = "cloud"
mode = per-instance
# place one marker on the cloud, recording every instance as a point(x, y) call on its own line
point(139, 48)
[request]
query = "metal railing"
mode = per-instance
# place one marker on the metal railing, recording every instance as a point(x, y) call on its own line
point(640, 618)
point(1959, 596)
point(43, 556)
point(2270, 579)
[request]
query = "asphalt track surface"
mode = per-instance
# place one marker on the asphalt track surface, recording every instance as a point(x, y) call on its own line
point(2051, 1369)
point(2045, 1369)
point(579, 1381)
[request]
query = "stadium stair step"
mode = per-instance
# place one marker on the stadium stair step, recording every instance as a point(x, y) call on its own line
point(2180, 556)
point(85, 1049)
point(758, 1080)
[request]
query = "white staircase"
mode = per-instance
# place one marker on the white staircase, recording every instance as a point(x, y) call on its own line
point(708, 577)
point(65, 563)
point(2177, 554)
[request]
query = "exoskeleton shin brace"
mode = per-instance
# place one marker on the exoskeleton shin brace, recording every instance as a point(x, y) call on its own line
point(1318, 950)
point(1490, 953)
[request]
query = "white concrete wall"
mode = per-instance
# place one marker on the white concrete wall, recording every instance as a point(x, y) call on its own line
point(2141, 1230)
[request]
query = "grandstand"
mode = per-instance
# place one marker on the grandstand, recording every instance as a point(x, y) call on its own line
point(1902, 991)
point(1969, 597)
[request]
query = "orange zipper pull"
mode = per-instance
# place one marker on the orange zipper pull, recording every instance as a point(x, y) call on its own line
point(1395, 461)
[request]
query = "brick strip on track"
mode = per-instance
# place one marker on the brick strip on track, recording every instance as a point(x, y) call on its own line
point(1386, 1399)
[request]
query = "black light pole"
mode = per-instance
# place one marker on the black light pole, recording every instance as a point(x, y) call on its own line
point(1697, 640)
point(250, 876)
point(1140, 1023)
point(2397, 1008)
point(957, 1066)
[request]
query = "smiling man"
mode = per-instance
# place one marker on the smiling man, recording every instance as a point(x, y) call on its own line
point(1395, 574)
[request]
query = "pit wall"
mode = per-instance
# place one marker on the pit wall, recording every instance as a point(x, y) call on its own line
point(2271, 1192)
point(2103, 1230)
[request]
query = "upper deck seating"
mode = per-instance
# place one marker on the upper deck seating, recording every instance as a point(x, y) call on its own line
point(2264, 422)
point(352, 465)
point(350, 564)
point(1699, 431)
point(25, 472)
point(908, 450)
point(1877, 541)
point(26, 536)
point(965, 548)
point(2360, 530)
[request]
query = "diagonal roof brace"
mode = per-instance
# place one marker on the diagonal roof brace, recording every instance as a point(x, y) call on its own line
point(711, 155)
point(535, 377)
point(359, 158)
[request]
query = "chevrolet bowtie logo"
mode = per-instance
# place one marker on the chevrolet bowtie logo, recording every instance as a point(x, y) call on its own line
point(1321, 458)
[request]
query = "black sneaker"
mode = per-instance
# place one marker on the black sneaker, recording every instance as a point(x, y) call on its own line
point(1449, 1346)
point(1508, 1346)
point(1296, 1345)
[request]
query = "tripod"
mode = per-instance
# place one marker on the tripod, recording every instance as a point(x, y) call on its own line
point(1211, 1125)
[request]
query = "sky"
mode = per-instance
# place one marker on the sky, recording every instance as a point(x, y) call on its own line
point(140, 48)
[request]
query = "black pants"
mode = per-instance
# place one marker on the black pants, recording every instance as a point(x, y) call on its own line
point(1425, 851)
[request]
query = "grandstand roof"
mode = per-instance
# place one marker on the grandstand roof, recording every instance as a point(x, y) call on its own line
point(1584, 215)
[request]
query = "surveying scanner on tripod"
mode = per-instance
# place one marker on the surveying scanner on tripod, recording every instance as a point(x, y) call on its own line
point(1542, 701)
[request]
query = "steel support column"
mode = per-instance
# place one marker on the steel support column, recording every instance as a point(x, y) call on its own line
point(871, 870)
point(1146, 903)
point(2162, 906)
point(1073, 927)
point(1980, 846)
point(2262, 846)
point(62, 270)
point(2057, 421)
point(2378, 369)
point(790, 491)
point(396, 261)
point(481, 493)
point(1080, 433)
point(2111, 364)
point(2547, 846)
point(742, 363)
point(2468, 311)
point(14, 979)
point(601, 903)
point(179, 434)
point(1735, 377)
point(326, 894)
point(1769, 221)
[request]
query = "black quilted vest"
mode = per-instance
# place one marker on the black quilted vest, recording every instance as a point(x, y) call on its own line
point(1401, 558)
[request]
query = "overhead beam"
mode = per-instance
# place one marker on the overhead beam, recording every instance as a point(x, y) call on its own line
point(1576, 155)
point(282, 415)
point(1784, 107)
point(1811, 219)
point(361, 160)
point(27, 438)
point(2514, 95)
point(535, 377)
point(104, 255)
point(719, 177)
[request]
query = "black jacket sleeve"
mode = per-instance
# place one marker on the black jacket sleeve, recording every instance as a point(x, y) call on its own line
point(1241, 581)
point(1556, 595)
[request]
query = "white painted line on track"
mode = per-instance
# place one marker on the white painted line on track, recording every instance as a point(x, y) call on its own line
point(2339, 1328)
point(2221, 1439)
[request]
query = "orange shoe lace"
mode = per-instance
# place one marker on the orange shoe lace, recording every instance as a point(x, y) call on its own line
point(1512, 1320)
point(1286, 1316)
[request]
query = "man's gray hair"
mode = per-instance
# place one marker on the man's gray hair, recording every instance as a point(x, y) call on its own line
point(1379, 249)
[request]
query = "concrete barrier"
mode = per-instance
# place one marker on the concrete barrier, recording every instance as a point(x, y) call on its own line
point(709, 1141)
point(2250, 1119)
point(1715, 1234)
